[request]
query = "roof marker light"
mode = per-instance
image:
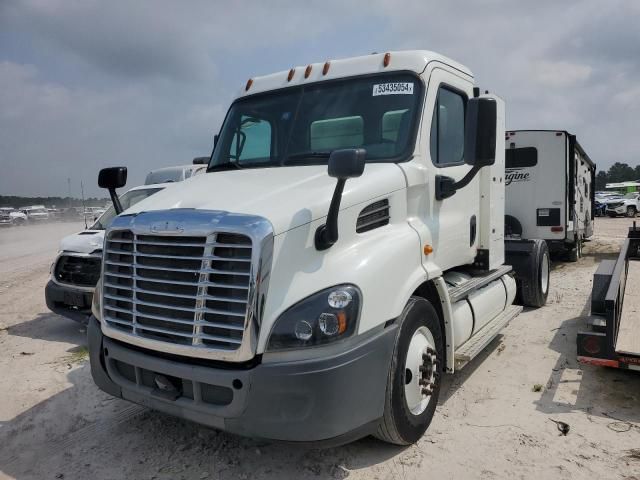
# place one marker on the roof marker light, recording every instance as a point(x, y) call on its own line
point(325, 69)
point(248, 86)
point(290, 76)
point(387, 59)
point(307, 71)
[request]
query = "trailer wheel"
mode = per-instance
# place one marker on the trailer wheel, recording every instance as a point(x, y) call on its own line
point(575, 253)
point(533, 285)
point(631, 211)
point(415, 375)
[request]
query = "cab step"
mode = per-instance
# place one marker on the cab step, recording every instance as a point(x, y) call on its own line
point(481, 339)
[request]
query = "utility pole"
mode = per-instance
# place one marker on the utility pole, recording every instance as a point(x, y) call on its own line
point(83, 207)
point(69, 186)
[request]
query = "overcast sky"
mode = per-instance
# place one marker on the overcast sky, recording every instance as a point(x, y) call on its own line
point(86, 84)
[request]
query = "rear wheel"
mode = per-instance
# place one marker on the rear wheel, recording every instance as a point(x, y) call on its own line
point(533, 286)
point(413, 384)
point(631, 211)
point(575, 253)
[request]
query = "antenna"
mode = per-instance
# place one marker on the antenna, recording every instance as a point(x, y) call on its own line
point(84, 211)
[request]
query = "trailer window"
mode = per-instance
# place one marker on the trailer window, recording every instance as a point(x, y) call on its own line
point(524, 157)
point(447, 128)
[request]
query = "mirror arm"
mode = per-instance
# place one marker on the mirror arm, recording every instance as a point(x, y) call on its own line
point(117, 206)
point(327, 234)
point(447, 186)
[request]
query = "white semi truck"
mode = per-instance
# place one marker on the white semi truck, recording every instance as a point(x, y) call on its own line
point(271, 299)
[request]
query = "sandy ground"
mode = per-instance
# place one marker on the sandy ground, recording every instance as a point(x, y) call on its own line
point(490, 423)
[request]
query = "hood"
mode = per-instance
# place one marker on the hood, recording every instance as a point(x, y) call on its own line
point(87, 241)
point(287, 196)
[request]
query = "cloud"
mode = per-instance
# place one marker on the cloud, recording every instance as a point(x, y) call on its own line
point(87, 83)
point(560, 74)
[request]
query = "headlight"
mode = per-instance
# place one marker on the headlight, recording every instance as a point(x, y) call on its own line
point(97, 298)
point(324, 317)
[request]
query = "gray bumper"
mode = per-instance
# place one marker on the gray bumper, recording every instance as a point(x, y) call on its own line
point(333, 400)
point(68, 302)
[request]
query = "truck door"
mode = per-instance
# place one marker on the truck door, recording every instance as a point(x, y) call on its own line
point(453, 222)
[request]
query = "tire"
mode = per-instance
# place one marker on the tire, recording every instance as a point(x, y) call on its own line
point(405, 420)
point(575, 253)
point(533, 287)
point(631, 212)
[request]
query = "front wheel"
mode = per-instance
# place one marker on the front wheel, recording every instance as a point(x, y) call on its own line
point(415, 375)
point(631, 212)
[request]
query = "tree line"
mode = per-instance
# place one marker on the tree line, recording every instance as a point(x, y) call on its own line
point(50, 202)
point(618, 172)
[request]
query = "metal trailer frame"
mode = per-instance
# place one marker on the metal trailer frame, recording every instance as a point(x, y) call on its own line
point(598, 346)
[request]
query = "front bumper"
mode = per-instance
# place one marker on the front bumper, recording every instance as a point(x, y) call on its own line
point(618, 210)
point(334, 399)
point(69, 302)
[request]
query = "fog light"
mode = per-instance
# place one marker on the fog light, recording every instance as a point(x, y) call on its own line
point(339, 298)
point(303, 330)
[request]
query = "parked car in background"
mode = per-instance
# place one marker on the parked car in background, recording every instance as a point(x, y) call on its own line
point(628, 205)
point(36, 213)
point(76, 269)
point(91, 214)
point(10, 217)
point(174, 174)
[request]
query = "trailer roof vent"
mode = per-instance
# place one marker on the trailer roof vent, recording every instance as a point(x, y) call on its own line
point(373, 216)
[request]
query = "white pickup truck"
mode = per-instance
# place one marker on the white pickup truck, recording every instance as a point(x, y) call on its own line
point(628, 205)
point(344, 250)
point(76, 268)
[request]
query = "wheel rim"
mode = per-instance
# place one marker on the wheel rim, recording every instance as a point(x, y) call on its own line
point(420, 370)
point(544, 275)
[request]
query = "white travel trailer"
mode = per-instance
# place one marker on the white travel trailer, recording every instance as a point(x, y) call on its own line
point(550, 188)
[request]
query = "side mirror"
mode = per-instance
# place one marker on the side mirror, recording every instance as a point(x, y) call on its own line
point(343, 164)
point(201, 160)
point(480, 132)
point(347, 163)
point(112, 178)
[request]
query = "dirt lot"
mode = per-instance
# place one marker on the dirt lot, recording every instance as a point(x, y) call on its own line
point(490, 423)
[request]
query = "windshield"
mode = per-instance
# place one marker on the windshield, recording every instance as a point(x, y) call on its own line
point(631, 195)
point(303, 124)
point(129, 199)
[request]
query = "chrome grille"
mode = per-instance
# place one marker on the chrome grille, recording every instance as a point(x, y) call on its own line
point(183, 290)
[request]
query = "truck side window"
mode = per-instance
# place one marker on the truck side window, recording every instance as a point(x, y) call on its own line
point(252, 140)
point(447, 127)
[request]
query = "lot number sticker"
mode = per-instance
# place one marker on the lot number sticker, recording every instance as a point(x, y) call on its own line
point(393, 89)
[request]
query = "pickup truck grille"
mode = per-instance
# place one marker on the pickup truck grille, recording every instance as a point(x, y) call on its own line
point(77, 270)
point(613, 205)
point(184, 290)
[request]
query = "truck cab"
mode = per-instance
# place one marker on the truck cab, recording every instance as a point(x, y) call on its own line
point(344, 249)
